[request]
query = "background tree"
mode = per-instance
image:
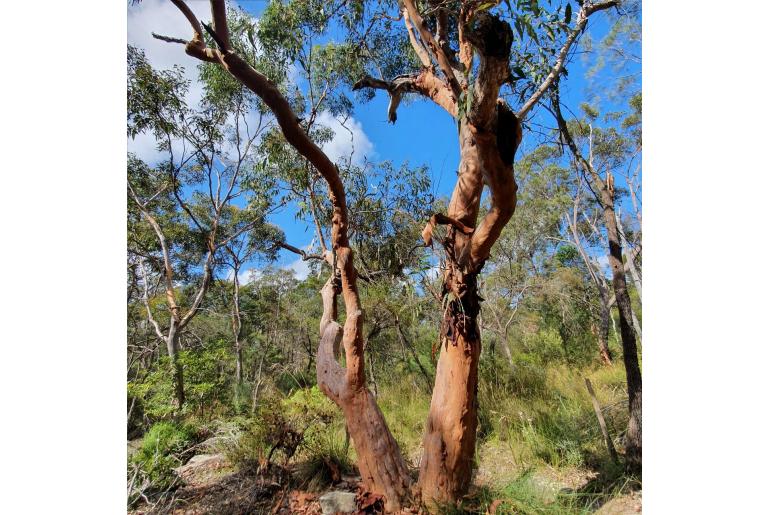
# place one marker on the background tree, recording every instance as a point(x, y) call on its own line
point(610, 149)
point(193, 189)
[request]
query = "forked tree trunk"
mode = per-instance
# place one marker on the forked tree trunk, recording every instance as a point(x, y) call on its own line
point(382, 468)
point(380, 463)
point(450, 433)
point(489, 134)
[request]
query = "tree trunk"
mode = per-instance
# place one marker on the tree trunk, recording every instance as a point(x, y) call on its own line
point(603, 335)
point(628, 337)
point(237, 325)
point(172, 346)
point(257, 384)
point(630, 260)
point(637, 326)
point(597, 276)
point(602, 423)
point(507, 349)
point(380, 463)
point(238, 363)
point(606, 192)
point(450, 433)
point(490, 134)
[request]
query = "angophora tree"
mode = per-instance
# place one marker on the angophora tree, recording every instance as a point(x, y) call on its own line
point(463, 58)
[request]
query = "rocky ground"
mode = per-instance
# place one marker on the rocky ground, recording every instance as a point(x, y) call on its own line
point(209, 485)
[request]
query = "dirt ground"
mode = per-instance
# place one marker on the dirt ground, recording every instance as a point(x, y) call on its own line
point(209, 485)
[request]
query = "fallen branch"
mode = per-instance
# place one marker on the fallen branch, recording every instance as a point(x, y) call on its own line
point(602, 424)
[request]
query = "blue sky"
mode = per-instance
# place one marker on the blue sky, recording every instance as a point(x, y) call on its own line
point(423, 135)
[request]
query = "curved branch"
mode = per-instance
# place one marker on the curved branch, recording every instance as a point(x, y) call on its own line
point(586, 10)
point(168, 271)
point(419, 48)
point(205, 282)
point(492, 38)
point(430, 42)
point(146, 302)
point(305, 256)
point(442, 28)
point(196, 26)
point(331, 375)
point(169, 39)
point(219, 16)
point(424, 83)
point(195, 47)
point(502, 186)
point(296, 137)
point(442, 219)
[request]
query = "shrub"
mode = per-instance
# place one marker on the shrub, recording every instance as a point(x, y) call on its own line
point(281, 425)
point(268, 431)
point(547, 345)
point(309, 405)
point(288, 382)
point(205, 383)
point(159, 453)
point(326, 459)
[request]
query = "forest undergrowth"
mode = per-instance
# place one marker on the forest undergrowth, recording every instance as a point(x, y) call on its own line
point(539, 451)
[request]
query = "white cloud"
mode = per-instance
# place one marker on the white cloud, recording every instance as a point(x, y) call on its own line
point(300, 268)
point(162, 17)
point(604, 262)
point(145, 148)
point(246, 276)
point(349, 142)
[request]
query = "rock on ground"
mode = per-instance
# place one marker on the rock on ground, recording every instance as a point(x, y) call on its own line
point(338, 502)
point(203, 469)
point(629, 504)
